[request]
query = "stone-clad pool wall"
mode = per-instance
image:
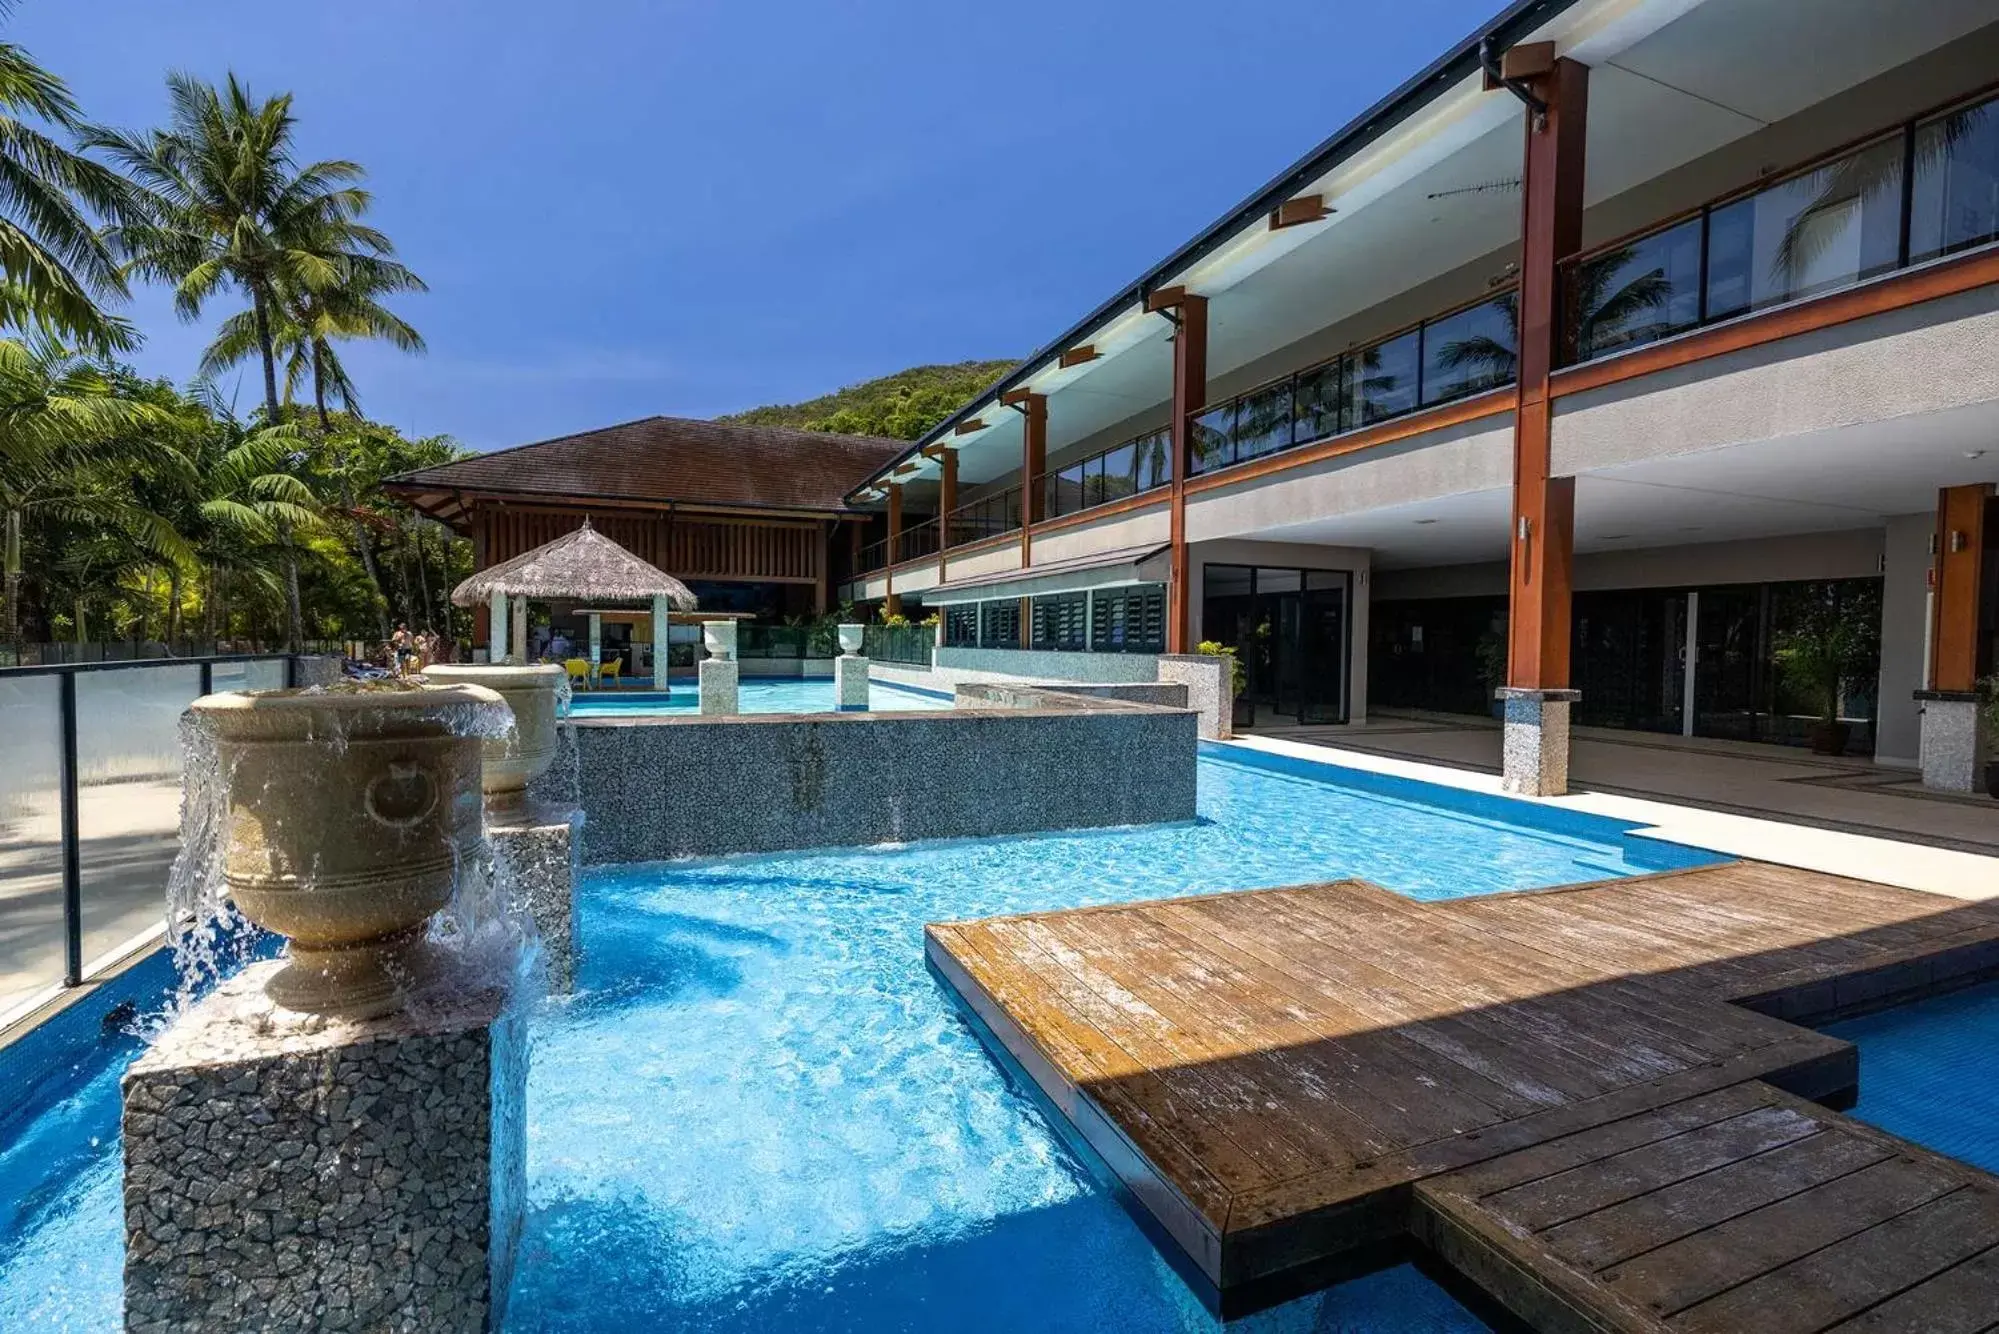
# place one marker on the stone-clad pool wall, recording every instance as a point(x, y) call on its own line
point(654, 788)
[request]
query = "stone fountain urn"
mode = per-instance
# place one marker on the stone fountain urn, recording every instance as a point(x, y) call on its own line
point(348, 812)
point(719, 637)
point(851, 638)
point(513, 761)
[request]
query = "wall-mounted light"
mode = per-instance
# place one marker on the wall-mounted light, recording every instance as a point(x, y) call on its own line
point(1957, 540)
point(1526, 527)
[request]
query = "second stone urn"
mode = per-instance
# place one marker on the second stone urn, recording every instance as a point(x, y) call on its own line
point(513, 761)
point(719, 637)
point(851, 639)
point(348, 813)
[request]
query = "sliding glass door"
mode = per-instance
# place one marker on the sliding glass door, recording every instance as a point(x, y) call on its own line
point(1289, 629)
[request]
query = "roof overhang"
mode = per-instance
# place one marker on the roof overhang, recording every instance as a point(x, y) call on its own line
point(1110, 569)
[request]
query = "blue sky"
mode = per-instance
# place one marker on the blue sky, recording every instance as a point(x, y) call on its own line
point(627, 208)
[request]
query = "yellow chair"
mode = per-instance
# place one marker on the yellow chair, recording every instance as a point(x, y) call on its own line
point(579, 671)
point(608, 672)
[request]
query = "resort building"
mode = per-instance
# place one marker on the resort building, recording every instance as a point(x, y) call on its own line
point(753, 518)
point(1631, 362)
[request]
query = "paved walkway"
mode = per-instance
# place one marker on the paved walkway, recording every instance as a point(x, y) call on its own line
point(1774, 782)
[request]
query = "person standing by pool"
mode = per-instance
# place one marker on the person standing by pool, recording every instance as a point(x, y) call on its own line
point(402, 648)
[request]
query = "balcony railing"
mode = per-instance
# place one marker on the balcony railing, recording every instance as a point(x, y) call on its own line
point(1129, 469)
point(988, 516)
point(1452, 356)
point(1927, 189)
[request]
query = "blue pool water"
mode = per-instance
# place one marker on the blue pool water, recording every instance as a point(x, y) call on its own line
point(761, 1113)
point(1929, 1072)
point(815, 696)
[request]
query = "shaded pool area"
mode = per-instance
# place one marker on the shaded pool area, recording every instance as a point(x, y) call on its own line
point(1930, 1072)
point(760, 1112)
point(753, 696)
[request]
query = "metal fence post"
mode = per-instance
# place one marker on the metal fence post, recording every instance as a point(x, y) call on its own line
point(72, 855)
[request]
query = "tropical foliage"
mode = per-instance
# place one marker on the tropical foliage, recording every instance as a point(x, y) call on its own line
point(138, 509)
point(902, 406)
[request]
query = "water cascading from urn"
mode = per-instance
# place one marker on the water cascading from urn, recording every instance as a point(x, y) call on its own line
point(348, 820)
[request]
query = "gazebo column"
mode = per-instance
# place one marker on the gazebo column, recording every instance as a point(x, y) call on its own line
point(519, 627)
point(496, 639)
point(596, 643)
point(659, 642)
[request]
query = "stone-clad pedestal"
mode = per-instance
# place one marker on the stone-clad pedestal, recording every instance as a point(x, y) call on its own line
point(850, 683)
point(1954, 741)
point(1534, 756)
point(293, 1172)
point(538, 851)
point(719, 692)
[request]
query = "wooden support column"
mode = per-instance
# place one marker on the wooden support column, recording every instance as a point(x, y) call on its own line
point(822, 573)
point(891, 604)
point(1544, 507)
point(1960, 550)
point(1190, 395)
point(947, 500)
point(1033, 410)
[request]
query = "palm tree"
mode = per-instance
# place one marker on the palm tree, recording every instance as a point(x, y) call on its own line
point(249, 505)
point(56, 267)
point(220, 202)
point(63, 424)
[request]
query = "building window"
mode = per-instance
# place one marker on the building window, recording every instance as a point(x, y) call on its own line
point(961, 625)
point(999, 624)
point(1061, 622)
point(1129, 620)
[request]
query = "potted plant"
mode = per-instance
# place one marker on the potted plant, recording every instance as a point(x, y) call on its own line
point(1242, 709)
point(1822, 648)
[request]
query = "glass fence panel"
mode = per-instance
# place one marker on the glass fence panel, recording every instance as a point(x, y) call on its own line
point(1120, 472)
point(261, 674)
point(1214, 439)
point(1955, 201)
point(128, 798)
point(1827, 228)
point(1263, 422)
point(31, 934)
point(1642, 291)
point(1471, 351)
point(1317, 401)
point(1093, 481)
point(1065, 491)
point(1155, 459)
point(1385, 380)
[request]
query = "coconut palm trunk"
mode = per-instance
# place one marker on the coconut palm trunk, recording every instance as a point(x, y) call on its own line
point(294, 609)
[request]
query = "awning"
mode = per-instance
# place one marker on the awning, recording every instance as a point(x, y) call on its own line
point(1109, 569)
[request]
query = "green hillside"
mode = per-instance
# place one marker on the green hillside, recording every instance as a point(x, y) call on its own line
point(901, 406)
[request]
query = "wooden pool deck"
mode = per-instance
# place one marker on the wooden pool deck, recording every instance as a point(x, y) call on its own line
point(1594, 1102)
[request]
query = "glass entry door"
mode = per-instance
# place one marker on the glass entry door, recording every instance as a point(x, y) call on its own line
point(1731, 688)
point(1289, 630)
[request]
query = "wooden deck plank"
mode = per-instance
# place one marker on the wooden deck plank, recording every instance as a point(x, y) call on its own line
point(1962, 1300)
point(1563, 1077)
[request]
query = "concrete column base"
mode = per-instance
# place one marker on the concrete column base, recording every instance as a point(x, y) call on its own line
point(850, 683)
point(286, 1171)
point(1534, 755)
point(1955, 740)
point(718, 686)
point(537, 852)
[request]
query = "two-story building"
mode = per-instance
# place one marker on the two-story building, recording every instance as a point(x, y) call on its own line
point(1636, 363)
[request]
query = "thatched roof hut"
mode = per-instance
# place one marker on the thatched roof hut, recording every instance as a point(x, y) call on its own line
point(582, 564)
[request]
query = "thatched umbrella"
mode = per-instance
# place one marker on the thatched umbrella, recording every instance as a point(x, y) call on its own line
point(585, 565)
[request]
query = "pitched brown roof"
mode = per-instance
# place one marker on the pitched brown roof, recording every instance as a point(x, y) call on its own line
point(674, 459)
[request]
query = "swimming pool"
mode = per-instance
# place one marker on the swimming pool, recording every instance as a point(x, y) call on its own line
point(1928, 1072)
point(760, 1112)
point(758, 696)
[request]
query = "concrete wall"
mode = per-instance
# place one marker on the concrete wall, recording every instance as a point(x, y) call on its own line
point(1940, 355)
point(1847, 554)
point(1017, 664)
point(1904, 634)
point(660, 788)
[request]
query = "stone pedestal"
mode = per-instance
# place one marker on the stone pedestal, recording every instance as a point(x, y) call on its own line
point(537, 852)
point(1954, 740)
point(1210, 682)
point(850, 683)
point(718, 685)
point(1534, 755)
point(291, 1172)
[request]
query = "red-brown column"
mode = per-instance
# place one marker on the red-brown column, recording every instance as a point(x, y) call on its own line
point(1544, 507)
point(892, 604)
point(1033, 463)
point(1190, 395)
point(947, 500)
point(1959, 558)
